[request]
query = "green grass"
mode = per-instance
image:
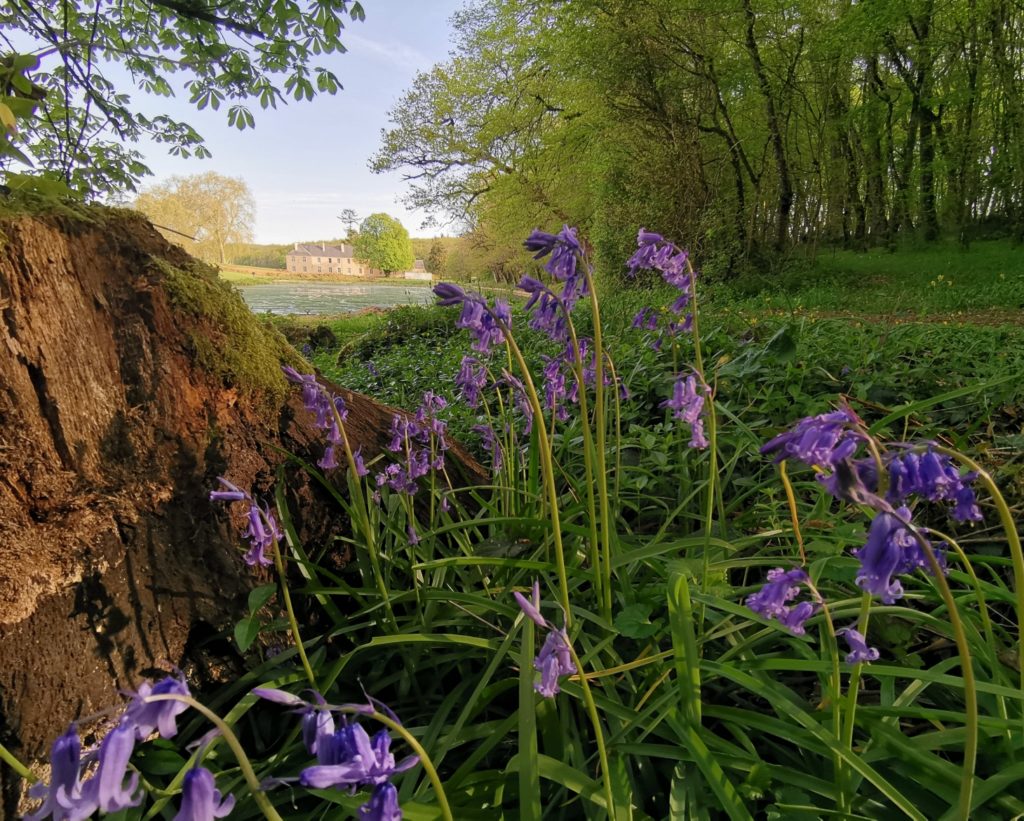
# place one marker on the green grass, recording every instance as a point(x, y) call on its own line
point(941, 279)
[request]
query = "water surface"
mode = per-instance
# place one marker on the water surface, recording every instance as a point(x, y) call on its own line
point(331, 297)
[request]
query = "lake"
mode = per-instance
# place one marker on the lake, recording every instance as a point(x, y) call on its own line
point(331, 297)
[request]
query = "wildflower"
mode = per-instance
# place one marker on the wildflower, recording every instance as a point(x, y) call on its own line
point(859, 650)
point(935, 477)
point(200, 798)
point(550, 310)
point(383, 805)
point(883, 556)
point(486, 324)
point(553, 661)
point(355, 760)
point(357, 458)
point(148, 716)
point(261, 532)
point(64, 788)
point(555, 657)
point(794, 617)
point(782, 586)
point(688, 405)
point(232, 494)
point(490, 443)
point(317, 723)
point(821, 440)
point(471, 380)
point(107, 791)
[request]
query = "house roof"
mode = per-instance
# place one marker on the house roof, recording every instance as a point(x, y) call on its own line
point(321, 249)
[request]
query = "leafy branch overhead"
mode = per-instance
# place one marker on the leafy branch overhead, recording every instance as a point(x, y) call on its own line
point(79, 60)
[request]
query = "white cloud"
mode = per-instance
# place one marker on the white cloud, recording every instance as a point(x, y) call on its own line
point(389, 51)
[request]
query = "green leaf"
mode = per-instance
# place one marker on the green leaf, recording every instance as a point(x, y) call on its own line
point(246, 632)
point(635, 622)
point(259, 596)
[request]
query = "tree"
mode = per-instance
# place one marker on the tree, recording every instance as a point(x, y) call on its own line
point(437, 258)
point(226, 53)
point(213, 209)
point(349, 219)
point(384, 243)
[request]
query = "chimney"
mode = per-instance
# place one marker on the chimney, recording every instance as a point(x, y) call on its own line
point(296, 246)
point(323, 246)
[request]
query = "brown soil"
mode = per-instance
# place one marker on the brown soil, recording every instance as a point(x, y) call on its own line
point(113, 563)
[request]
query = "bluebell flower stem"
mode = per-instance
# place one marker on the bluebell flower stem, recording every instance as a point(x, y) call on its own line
point(966, 671)
point(232, 741)
point(601, 444)
point(841, 775)
point(12, 761)
point(791, 500)
point(363, 515)
point(853, 691)
point(292, 621)
point(547, 468)
point(595, 720)
point(1012, 539)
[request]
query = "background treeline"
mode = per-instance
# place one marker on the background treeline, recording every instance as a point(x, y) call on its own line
point(749, 128)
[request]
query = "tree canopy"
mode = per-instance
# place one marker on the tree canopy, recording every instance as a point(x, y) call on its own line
point(743, 127)
point(384, 242)
point(63, 101)
point(214, 210)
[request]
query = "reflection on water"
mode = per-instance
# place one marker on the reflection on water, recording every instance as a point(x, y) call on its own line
point(331, 297)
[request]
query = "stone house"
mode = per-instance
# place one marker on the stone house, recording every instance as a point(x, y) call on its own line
point(321, 258)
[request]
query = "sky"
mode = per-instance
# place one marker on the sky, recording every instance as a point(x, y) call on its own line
point(306, 162)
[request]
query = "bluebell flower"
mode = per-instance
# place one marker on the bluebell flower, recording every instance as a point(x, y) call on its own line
point(687, 404)
point(553, 661)
point(230, 494)
point(883, 556)
point(200, 798)
point(65, 761)
point(262, 532)
point(490, 443)
point(555, 657)
point(782, 587)
point(471, 380)
point(157, 715)
point(354, 760)
point(107, 790)
point(383, 804)
point(820, 441)
point(794, 617)
point(317, 723)
point(859, 653)
point(482, 321)
point(933, 476)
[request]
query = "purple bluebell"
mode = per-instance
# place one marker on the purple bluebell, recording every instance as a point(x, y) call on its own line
point(818, 440)
point(646, 319)
point(854, 480)
point(654, 251)
point(859, 653)
point(262, 531)
point(550, 311)
point(65, 761)
point(933, 476)
point(383, 804)
point(782, 587)
point(364, 761)
point(148, 716)
point(531, 606)
point(487, 325)
point(687, 404)
point(522, 401)
point(329, 461)
point(329, 410)
point(471, 380)
point(553, 662)
point(230, 494)
point(107, 790)
point(357, 458)
point(317, 722)
point(555, 657)
point(563, 247)
point(794, 617)
point(200, 798)
point(490, 443)
point(884, 555)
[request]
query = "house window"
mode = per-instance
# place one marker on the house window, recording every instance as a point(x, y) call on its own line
point(318, 270)
point(303, 269)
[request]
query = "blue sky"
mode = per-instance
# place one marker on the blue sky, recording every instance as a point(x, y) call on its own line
point(305, 162)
